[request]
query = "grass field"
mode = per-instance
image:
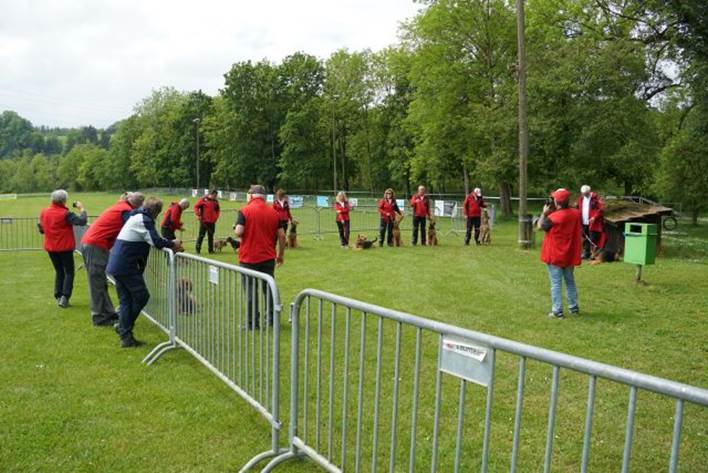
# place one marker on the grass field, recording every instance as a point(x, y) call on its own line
point(71, 400)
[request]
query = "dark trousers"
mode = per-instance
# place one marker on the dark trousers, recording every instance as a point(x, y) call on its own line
point(418, 222)
point(169, 233)
point(473, 222)
point(250, 285)
point(63, 262)
point(208, 229)
point(590, 241)
point(343, 232)
point(133, 296)
point(385, 226)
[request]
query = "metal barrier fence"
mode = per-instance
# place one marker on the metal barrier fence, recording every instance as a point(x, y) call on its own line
point(339, 418)
point(228, 318)
point(19, 234)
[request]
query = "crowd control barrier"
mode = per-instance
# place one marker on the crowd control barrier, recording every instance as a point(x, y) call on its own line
point(364, 402)
point(228, 318)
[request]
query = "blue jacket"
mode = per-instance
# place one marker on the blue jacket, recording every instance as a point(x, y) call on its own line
point(130, 253)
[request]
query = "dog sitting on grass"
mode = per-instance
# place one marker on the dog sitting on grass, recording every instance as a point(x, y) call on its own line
point(186, 305)
point(363, 243)
point(292, 235)
point(432, 234)
point(485, 233)
point(396, 232)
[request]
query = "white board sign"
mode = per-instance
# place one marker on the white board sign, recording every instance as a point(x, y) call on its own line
point(195, 192)
point(232, 196)
point(220, 194)
point(444, 208)
point(353, 202)
point(401, 204)
point(206, 191)
point(296, 201)
point(270, 198)
point(213, 274)
point(467, 360)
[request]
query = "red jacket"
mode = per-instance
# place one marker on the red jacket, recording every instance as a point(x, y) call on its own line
point(596, 212)
point(173, 217)
point(103, 232)
point(283, 210)
point(58, 232)
point(562, 245)
point(388, 209)
point(473, 205)
point(420, 205)
point(342, 211)
point(260, 224)
point(207, 210)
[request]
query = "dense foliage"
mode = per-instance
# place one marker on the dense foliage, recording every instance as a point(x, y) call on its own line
point(617, 98)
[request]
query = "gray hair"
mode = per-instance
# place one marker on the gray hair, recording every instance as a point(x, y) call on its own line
point(152, 206)
point(59, 196)
point(135, 199)
point(184, 203)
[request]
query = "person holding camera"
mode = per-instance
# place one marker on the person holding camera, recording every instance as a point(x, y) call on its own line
point(56, 223)
point(95, 247)
point(561, 250)
point(207, 211)
point(127, 263)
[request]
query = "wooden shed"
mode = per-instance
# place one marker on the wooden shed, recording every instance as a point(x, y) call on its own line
point(620, 210)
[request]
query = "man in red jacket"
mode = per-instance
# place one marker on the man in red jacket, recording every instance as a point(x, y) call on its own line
point(172, 221)
point(473, 211)
point(95, 247)
point(561, 250)
point(207, 211)
point(258, 226)
point(56, 223)
point(420, 203)
point(591, 210)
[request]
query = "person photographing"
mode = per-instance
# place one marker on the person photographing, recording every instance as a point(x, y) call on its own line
point(561, 250)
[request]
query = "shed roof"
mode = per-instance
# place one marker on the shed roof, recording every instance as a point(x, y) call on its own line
point(624, 210)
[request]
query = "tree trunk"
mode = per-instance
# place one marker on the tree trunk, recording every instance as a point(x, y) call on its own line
point(505, 198)
point(466, 178)
point(627, 188)
point(694, 216)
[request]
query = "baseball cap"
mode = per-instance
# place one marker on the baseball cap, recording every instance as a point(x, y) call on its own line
point(561, 195)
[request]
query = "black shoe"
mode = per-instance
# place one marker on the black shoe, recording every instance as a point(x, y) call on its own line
point(129, 342)
point(63, 302)
point(575, 312)
point(116, 328)
point(553, 315)
point(104, 322)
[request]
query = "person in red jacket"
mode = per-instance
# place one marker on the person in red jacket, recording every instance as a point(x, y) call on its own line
point(342, 207)
point(474, 202)
point(172, 221)
point(591, 210)
point(258, 226)
point(56, 223)
point(207, 211)
point(420, 203)
point(561, 250)
point(388, 208)
point(95, 247)
point(281, 205)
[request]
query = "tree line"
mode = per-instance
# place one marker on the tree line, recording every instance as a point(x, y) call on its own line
point(618, 98)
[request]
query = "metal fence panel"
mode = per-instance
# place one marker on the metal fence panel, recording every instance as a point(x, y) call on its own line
point(20, 234)
point(376, 389)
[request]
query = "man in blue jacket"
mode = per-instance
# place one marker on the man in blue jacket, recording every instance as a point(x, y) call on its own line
point(127, 263)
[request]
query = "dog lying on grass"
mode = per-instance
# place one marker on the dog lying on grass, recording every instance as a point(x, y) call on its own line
point(363, 243)
point(432, 234)
point(485, 232)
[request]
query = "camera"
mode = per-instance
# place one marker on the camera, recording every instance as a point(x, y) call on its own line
point(75, 205)
point(550, 203)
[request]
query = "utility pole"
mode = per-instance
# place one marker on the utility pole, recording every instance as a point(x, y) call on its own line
point(196, 122)
point(334, 152)
point(524, 219)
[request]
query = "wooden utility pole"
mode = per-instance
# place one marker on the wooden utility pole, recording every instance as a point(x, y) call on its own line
point(524, 219)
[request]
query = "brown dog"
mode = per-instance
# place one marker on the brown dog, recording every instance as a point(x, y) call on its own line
point(396, 232)
point(235, 244)
point(220, 244)
point(363, 243)
point(292, 236)
point(186, 305)
point(432, 234)
point(485, 234)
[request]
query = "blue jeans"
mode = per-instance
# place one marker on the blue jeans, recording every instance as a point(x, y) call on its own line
point(133, 295)
point(557, 275)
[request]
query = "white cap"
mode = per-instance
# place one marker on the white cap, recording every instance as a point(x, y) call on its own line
point(585, 189)
point(477, 191)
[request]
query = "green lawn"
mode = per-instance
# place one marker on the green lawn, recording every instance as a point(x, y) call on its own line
point(71, 400)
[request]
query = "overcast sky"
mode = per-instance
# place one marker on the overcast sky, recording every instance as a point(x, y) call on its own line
point(88, 62)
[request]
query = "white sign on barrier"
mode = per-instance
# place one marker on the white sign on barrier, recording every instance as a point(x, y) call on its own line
point(213, 274)
point(296, 201)
point(445, 208)
point(232, 196)
point(270, 198)
point(353, 202)
point(401, 204)
point(195, 192)
point(206, 191)
point(220, 194)
point(466, 360)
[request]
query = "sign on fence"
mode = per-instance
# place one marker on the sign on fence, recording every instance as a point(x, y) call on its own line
point(220, 194)
point(463, 359)
point(232, 196)
point(322, 201)
point(401, 204)
point(353, 202)
point(270, 198)
point(195, 192)
point(445, 208)
point(296, 201)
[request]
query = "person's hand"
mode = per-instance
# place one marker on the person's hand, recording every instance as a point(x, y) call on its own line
point(279, 260)
point(591, 220)
point(546, 209)
point(79, 206)
point(177, 246)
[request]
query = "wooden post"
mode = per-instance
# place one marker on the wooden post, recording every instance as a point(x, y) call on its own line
point(524, 219)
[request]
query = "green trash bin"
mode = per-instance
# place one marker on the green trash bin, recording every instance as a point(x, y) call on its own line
point(640, 243)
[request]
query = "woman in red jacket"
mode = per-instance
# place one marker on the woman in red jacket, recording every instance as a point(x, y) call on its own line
point(388, 208)
point(473, 211)
point(56, 223)
point(281, 204)
point(342, 207)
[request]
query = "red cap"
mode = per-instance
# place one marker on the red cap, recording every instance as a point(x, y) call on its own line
point(561, 195)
